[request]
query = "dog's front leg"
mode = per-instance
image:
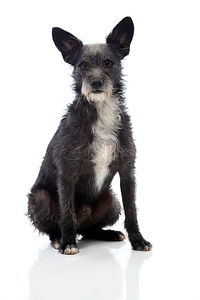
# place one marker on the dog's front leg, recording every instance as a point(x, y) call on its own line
point(67, 222)
point(127, 184)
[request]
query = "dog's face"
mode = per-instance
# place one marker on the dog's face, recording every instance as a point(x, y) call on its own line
point(97, 72)
point(97, 67)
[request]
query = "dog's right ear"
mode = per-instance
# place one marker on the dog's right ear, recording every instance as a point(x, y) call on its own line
point(66, 43)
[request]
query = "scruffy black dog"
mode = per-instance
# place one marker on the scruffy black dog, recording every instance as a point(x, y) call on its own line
point(72, 193)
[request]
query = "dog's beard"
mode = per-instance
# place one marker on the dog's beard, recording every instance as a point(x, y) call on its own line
point(101, 96)
point(96, 96)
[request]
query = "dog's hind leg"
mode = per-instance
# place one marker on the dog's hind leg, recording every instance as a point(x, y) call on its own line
point(44, 214)
point(105, 213)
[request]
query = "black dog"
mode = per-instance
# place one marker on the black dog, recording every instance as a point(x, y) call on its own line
point(72, 193)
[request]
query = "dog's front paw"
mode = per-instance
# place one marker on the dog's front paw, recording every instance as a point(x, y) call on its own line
point(139, 243)
point(68, 249)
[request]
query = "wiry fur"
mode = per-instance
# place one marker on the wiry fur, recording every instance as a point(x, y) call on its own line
point(72, 193)
point(105, 142)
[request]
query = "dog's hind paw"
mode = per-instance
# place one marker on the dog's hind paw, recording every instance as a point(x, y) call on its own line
point(104, 235)
point(55, 244)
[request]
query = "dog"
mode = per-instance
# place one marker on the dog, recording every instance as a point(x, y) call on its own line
point(72, 194)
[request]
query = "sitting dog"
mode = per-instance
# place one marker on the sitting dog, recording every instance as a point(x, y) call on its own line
point(72, 194)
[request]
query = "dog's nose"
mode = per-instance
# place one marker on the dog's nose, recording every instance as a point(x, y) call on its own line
point(96, 84)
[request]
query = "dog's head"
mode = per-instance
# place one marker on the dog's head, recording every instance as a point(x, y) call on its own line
point(97, 67)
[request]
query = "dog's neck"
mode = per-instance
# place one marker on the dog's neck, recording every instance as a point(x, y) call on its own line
point(102, 116)
point(108, 118)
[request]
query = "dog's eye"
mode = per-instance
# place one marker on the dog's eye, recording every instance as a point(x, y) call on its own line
point(84, 65)
point(108, 63)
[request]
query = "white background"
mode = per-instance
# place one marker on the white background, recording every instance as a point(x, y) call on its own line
point(163, 94)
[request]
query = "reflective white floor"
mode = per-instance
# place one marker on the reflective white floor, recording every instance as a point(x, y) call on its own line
point(32, 270)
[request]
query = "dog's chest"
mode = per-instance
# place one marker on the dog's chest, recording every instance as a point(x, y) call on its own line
point(105, 143)
point(103, 156)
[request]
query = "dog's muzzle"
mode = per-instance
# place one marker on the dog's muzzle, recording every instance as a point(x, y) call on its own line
point(97, 89)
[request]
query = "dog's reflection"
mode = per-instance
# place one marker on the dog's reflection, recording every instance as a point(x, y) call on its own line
point(100, 275)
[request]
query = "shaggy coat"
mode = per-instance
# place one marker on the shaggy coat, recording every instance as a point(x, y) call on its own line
point(72, 194)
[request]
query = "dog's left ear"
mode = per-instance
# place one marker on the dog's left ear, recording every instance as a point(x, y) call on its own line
point(121, 36)
point(66, 43)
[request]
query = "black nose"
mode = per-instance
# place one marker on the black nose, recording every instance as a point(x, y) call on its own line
point(96, 84)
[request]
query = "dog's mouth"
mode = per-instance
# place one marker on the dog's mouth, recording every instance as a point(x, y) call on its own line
point(97, 91)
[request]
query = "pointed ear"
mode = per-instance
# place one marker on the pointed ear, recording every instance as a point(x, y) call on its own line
point(121, 36)
point(66, 43)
